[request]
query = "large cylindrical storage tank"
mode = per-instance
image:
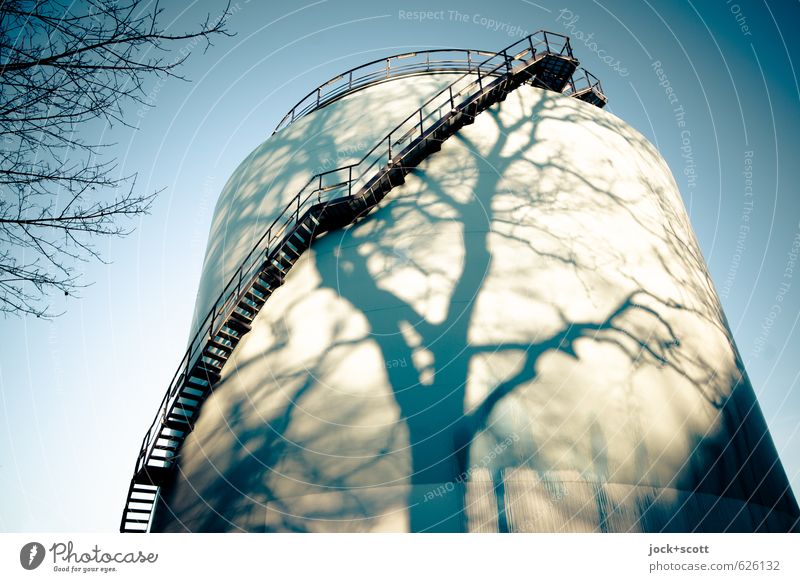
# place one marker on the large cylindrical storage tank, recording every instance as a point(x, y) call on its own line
point(523, 336)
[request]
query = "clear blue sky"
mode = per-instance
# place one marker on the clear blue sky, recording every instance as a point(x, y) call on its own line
point(77, 393)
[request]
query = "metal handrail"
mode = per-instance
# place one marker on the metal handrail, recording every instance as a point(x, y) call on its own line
point(582, 82)
point(380, 70)
point(346, 180)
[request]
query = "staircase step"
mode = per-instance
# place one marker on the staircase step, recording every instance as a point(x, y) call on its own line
point(240, 318)
point(152, 475)
point(262, 287)
point(290, 250)
point(239, 323)
point(307, 227)
point(296, 249)
point(286, 261)
point(177, 424)
point(273, 274)
point(216, 353)
point(200, 383)
point(208, 370)
point(276, 263)
point(193, 392)
point(165, 442)
point(178, 417)
point(197, 383)
point(299, 239)
point(242, 308)
point(137, 497)
point(183, 409)
point(251, 301)
point(213, 361)
point(171, 438)
point(168, 448)
point(228, 335)
point(270, 277)
point(220, 346)
point(256, 296)
point(179, 421)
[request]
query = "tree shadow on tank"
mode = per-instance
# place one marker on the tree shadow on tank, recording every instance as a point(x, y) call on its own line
point(552, 301)
point(730, 456)
point(252, 466)
point(273, 174)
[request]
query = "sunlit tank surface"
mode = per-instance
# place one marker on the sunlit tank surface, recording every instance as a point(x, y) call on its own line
point(521, 337)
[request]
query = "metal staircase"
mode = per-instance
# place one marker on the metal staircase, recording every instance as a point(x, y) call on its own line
point(329, 201)
point(586, 87)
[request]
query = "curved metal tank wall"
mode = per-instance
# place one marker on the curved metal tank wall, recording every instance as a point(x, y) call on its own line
point(522, 337)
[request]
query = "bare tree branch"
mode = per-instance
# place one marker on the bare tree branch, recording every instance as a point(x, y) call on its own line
point(63, 64)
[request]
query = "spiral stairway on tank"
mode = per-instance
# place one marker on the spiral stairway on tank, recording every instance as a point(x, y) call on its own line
point(332, 200)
